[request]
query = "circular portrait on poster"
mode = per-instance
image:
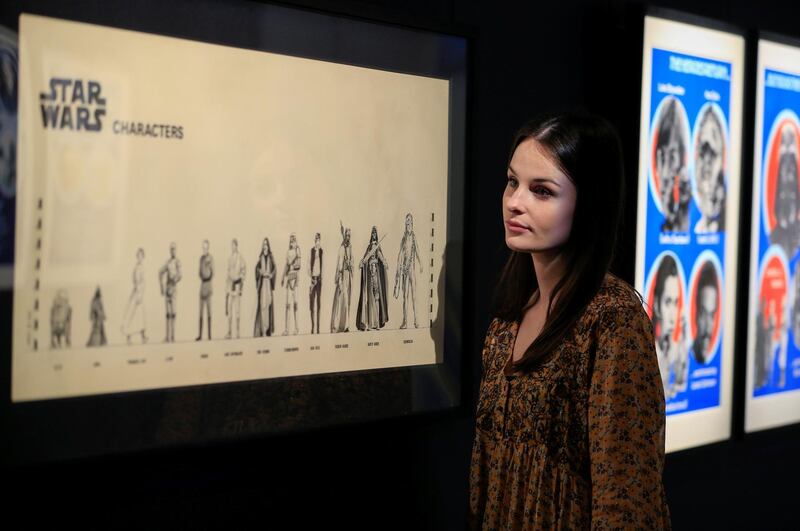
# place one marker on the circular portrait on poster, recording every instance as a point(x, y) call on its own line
point(669, 161)
point(781, 188)
point(709, 165)
point(665, 291)
point(705, 306)
point(771, 313)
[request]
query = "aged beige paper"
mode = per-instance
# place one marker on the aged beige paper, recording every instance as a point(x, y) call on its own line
point(132, 141)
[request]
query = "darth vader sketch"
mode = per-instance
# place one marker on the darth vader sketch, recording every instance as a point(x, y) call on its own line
point(373, 311)
point(289, 279)
point(265, 284)
point(133, 322)
point(343, 279)
point(169, 275)
point(97, 316)
point(786, 232)
point(670, 151)
point(405, 281)
point(60, 321)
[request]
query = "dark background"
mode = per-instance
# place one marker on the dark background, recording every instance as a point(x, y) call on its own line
point(412, 472)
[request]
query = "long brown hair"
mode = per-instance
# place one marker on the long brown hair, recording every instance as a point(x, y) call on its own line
point(587, 149)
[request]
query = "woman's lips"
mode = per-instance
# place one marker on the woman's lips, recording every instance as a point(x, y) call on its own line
point(516, 227)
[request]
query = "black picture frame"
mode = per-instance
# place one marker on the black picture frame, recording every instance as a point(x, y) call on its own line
point(57, 429)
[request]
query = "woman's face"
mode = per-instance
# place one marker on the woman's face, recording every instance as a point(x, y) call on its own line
point(265, 247)
point(538, 201)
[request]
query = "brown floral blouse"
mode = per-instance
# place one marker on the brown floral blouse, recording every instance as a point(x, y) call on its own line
point(579, 442)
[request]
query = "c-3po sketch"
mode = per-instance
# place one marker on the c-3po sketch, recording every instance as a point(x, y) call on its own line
point(168, 276)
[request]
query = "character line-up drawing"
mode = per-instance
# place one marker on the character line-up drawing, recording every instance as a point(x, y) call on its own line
point(405, 279)
point(97, 316)
point(60, 321)
point(315, 290)
point(265, 284)
point(289, 279)
point(169, 275)
point(134, 320)
point(206, 274)
point(343, 278)
point(235, 281)
point(373, 310)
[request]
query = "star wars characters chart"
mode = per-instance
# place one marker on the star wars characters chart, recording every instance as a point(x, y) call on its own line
point(372, 311)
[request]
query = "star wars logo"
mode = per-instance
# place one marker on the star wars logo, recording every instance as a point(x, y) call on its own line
point(73, 104)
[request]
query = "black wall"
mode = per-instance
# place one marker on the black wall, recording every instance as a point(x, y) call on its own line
point(412, 473)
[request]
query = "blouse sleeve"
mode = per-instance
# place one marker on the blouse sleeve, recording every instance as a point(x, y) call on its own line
point(626, 425)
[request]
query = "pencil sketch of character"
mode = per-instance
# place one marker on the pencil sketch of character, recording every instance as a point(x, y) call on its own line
point(265, 284)
point(168, 277)
point(134, 322)
point(97, 316)
point(289, 279)
point(373, 311)
point(404, 278)
point(233, 288)
point(60, 321)
point(315, 290)
point(343, 279)
point(206, 274)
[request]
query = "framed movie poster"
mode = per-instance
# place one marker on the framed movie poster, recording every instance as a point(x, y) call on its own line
point(773, 347)
point(688, 203)
point(278, 225)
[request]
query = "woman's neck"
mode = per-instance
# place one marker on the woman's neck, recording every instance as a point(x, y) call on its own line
point(548, 266)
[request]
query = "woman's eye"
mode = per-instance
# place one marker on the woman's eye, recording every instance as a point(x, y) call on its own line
point(512, 182)
point(542, 191)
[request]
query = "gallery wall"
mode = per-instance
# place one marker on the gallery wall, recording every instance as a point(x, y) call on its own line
point(412, 472)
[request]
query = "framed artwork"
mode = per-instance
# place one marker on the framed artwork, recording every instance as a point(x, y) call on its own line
point(246, 236)
point(773, 349)
point(687, 228)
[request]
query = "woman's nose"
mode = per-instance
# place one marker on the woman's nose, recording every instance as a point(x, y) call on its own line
point(514, 202)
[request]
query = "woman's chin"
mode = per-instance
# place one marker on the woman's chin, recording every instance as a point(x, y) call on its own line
point(515, 245)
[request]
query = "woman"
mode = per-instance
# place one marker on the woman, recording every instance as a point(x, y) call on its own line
point(570, 418)
point(133, 323)
point(265, 284)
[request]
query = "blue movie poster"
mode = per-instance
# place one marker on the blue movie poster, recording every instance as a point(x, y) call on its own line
point(777, 326)
point(688, 167)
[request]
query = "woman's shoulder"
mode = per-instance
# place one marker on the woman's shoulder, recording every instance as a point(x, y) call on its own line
point(616, 299)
